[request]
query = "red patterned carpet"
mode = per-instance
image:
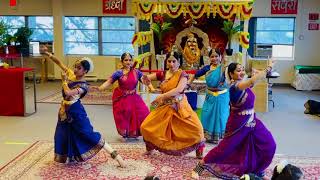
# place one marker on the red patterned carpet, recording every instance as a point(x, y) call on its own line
point(94, 97)
point(37, 163)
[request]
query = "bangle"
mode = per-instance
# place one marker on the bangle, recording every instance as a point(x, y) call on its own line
point(268, 69)
point(251, 81)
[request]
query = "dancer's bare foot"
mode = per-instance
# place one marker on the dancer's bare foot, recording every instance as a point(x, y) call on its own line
point(199, 151)
point(121, 161)
point(147, 153)
point(194, 175)
point(123, 139)
point(117, 157)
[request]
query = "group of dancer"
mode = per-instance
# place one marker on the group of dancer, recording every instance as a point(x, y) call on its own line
point(244, 143)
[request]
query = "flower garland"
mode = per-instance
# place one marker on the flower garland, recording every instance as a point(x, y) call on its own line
point(142, 38)
point(140, 58)
point(244, 39)
point(226, 11)
point(174, 10)
point(144, 9)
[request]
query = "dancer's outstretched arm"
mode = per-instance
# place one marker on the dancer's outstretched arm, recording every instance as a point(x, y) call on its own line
point(44, 51)
point(257, 75)
point(146, 79)
point(105, 85)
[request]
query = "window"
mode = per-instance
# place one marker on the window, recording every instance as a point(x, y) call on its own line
point(42, 27)
point(117, 33)
point(81, 35)
point(110, 36)
point(278, 33)
point(14, 23)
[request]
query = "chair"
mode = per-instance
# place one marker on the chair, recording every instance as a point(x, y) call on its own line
point(271, 75)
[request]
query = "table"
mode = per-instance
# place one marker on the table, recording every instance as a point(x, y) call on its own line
point(13, 101)
point(272, 75)
point(44, 67)
point(12, 57)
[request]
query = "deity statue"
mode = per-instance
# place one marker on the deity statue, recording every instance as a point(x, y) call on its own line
point(191, 54)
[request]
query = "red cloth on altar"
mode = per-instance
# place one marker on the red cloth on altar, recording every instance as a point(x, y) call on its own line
point(12, 91)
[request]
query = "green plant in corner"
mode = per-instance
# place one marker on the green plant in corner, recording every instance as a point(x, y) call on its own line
point(10, 39)
point(160, 27)
point(23, 35)
point(3, 32)
point(230, 31)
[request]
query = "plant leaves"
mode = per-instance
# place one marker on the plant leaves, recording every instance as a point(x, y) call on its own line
point(156, 28)
point(166, 26)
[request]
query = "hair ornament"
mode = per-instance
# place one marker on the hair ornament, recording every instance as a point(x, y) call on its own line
point(281, 166)
point(90, 62)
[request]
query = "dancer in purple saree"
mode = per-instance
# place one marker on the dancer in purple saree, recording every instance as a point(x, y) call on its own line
point(248, 146)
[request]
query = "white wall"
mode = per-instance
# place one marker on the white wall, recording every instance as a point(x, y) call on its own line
point(26, 7)
point(306, 49)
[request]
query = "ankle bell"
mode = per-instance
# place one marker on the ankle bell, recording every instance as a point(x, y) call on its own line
point(199, 168)
point(114, 154)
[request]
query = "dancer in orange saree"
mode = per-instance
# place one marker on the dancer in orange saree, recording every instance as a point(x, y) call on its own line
point(172, 127)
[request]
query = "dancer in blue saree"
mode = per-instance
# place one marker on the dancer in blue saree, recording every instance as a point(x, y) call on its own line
point(215, 110)
point(74, 138)
point(248, 146)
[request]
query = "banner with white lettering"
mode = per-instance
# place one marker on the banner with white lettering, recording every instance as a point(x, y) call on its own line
point(114, 6)
point(284, 6)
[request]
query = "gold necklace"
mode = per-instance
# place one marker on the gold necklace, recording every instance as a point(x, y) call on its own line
point(190, 57)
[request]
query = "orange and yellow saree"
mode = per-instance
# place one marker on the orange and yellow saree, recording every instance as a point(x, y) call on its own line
point(173, 127)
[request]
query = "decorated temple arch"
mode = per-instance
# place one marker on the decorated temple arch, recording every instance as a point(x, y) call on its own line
point(203, 19)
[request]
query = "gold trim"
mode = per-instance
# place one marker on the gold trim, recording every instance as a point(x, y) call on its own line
point(217, 93)
point(83, 157)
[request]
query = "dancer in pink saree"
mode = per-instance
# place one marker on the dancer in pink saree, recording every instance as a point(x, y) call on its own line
point(129, 110)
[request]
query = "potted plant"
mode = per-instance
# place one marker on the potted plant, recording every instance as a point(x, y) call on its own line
point(3, 33)
point(10, 41)
point(230, 31)
point(159, 28)
point(23, 37)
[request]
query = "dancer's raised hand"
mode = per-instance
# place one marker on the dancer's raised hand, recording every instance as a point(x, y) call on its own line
point(63, 76)
point(145, 80)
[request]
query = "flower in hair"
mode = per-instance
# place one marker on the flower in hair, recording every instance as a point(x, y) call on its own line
point(90, 62)
point(281, 166)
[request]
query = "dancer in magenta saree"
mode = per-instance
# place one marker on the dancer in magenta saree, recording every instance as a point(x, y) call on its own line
point(248, 146)
point(129, 110)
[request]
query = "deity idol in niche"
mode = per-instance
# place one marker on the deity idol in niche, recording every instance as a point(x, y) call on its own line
point(191, 54)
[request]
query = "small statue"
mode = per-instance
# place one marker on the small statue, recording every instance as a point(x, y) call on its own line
point(191, 53)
